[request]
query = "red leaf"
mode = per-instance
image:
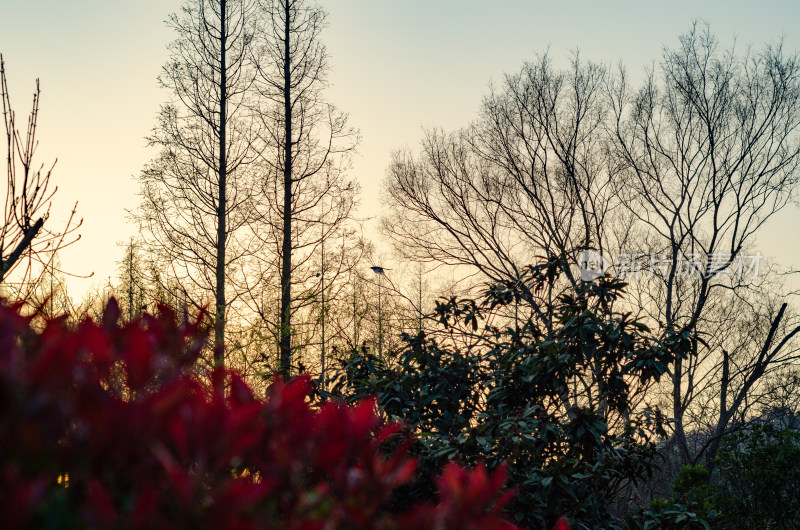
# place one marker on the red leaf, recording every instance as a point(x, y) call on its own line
point(561, 524)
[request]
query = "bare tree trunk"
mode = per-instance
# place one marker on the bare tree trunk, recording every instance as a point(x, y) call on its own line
point(677, 412)
point(322, 296)
point(130, 281)
point(219, 322)
point(286, 247)
point(28, 236)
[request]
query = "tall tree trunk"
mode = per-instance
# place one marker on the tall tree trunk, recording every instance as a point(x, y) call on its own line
point(219, 323)
point(677, 413)
point(286, 249)
point(130, 281)
point(322, 295)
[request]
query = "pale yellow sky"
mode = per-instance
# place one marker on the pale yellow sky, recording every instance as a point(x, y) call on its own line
point(397, 67)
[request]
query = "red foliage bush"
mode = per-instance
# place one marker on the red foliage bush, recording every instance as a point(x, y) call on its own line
point(113, 426)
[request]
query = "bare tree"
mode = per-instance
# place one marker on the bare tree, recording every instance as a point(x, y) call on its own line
point(710, 150)
point(24, 238)
point(133, 290)
point(528, 181)
point(307, 145)
point(684, 171)
point(194, 191)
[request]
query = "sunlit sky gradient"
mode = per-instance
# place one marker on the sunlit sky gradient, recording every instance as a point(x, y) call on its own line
point(397, 66)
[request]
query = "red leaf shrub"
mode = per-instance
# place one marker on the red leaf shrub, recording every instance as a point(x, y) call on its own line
point(110, 426)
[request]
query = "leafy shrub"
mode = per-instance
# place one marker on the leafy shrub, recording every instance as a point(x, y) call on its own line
point(690, 506)
point(109, 426)
point(692, 489)
point(559, 398)
point(759, 478)
point(666, 515)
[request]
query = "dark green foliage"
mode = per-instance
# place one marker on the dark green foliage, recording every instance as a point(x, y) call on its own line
point(759, 477)
point(558, 397)
point(690, 506)
point(667, 515)
point(691, 488)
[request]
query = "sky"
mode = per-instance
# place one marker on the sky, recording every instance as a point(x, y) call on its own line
point(398, 67)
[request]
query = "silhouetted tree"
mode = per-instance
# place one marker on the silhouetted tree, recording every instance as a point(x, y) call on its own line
point(528, 178)
point(306, 148)
point(709, 150)
point(193, 192)
point(134, 290)
point(24, 238)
